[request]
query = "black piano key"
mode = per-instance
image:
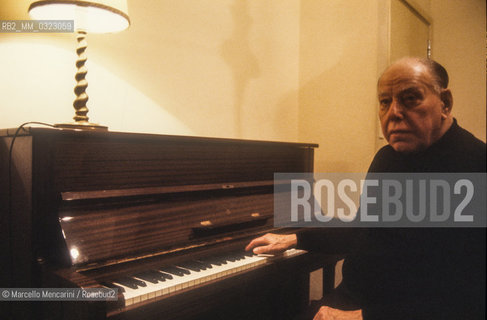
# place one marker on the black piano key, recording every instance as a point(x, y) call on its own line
point(216, 260)
point(197, 264)
point(113, 286)
point(161, 276)
point(140, 283)
point(166, 275)
point(234, 257)
point(206, 263)
point(131, 282)
point(175, 271)
point(190, 265)
point(127, 283)
point(221, 260)
point(213, 261)
point(242, 255)
point(146, 278)
point(201, 265)
point(149, 276)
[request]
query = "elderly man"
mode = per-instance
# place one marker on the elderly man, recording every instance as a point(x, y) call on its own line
point(407, 273)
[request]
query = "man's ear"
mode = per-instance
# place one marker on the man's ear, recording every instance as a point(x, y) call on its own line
point(447, 99)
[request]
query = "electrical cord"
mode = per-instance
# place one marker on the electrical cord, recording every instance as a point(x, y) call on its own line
point(9, 184)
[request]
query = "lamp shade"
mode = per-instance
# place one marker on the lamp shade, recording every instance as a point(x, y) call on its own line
point(99, 16)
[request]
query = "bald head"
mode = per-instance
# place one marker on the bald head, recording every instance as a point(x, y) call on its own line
point(438, 73)
point(415, 104)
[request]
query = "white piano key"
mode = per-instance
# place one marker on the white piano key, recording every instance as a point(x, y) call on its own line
point(151, 291)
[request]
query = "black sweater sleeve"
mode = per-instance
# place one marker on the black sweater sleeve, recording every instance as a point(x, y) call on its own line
point(331, 240)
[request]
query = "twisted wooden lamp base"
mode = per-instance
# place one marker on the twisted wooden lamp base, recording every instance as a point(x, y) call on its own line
point(79, 104)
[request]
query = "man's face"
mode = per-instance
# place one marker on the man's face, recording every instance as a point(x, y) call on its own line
point(411, 113)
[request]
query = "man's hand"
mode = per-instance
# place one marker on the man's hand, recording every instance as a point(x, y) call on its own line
point(327, 313)
point(272, 243)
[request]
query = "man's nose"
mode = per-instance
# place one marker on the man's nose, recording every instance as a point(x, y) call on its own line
point(396, 110)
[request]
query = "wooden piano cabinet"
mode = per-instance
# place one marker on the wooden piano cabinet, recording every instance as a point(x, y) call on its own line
point(80, 208)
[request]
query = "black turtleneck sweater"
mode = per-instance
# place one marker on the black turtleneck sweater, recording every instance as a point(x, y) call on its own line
point(415, 273)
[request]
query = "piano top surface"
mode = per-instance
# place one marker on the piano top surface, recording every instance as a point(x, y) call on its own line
point(132, 135)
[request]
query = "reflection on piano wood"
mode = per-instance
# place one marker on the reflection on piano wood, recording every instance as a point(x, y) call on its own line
point(162, 218)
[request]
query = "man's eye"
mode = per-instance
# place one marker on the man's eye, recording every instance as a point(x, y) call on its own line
point(384, 103)
point(410, 100)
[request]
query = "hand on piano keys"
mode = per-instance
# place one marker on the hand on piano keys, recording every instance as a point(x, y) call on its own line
point(167, 280)
point(272, 243)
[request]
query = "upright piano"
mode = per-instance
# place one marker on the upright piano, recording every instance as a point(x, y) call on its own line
point(163, 219)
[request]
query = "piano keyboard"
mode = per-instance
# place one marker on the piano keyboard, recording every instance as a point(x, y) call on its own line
point(170, 279)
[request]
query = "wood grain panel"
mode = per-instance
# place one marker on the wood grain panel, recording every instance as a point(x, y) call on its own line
point(116, 228)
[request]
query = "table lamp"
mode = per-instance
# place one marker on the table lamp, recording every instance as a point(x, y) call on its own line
point(100, 16)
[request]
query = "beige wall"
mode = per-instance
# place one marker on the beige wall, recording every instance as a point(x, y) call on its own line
point(459, 43)
point(294, 70)
point(338, 70)
point(225, 68)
